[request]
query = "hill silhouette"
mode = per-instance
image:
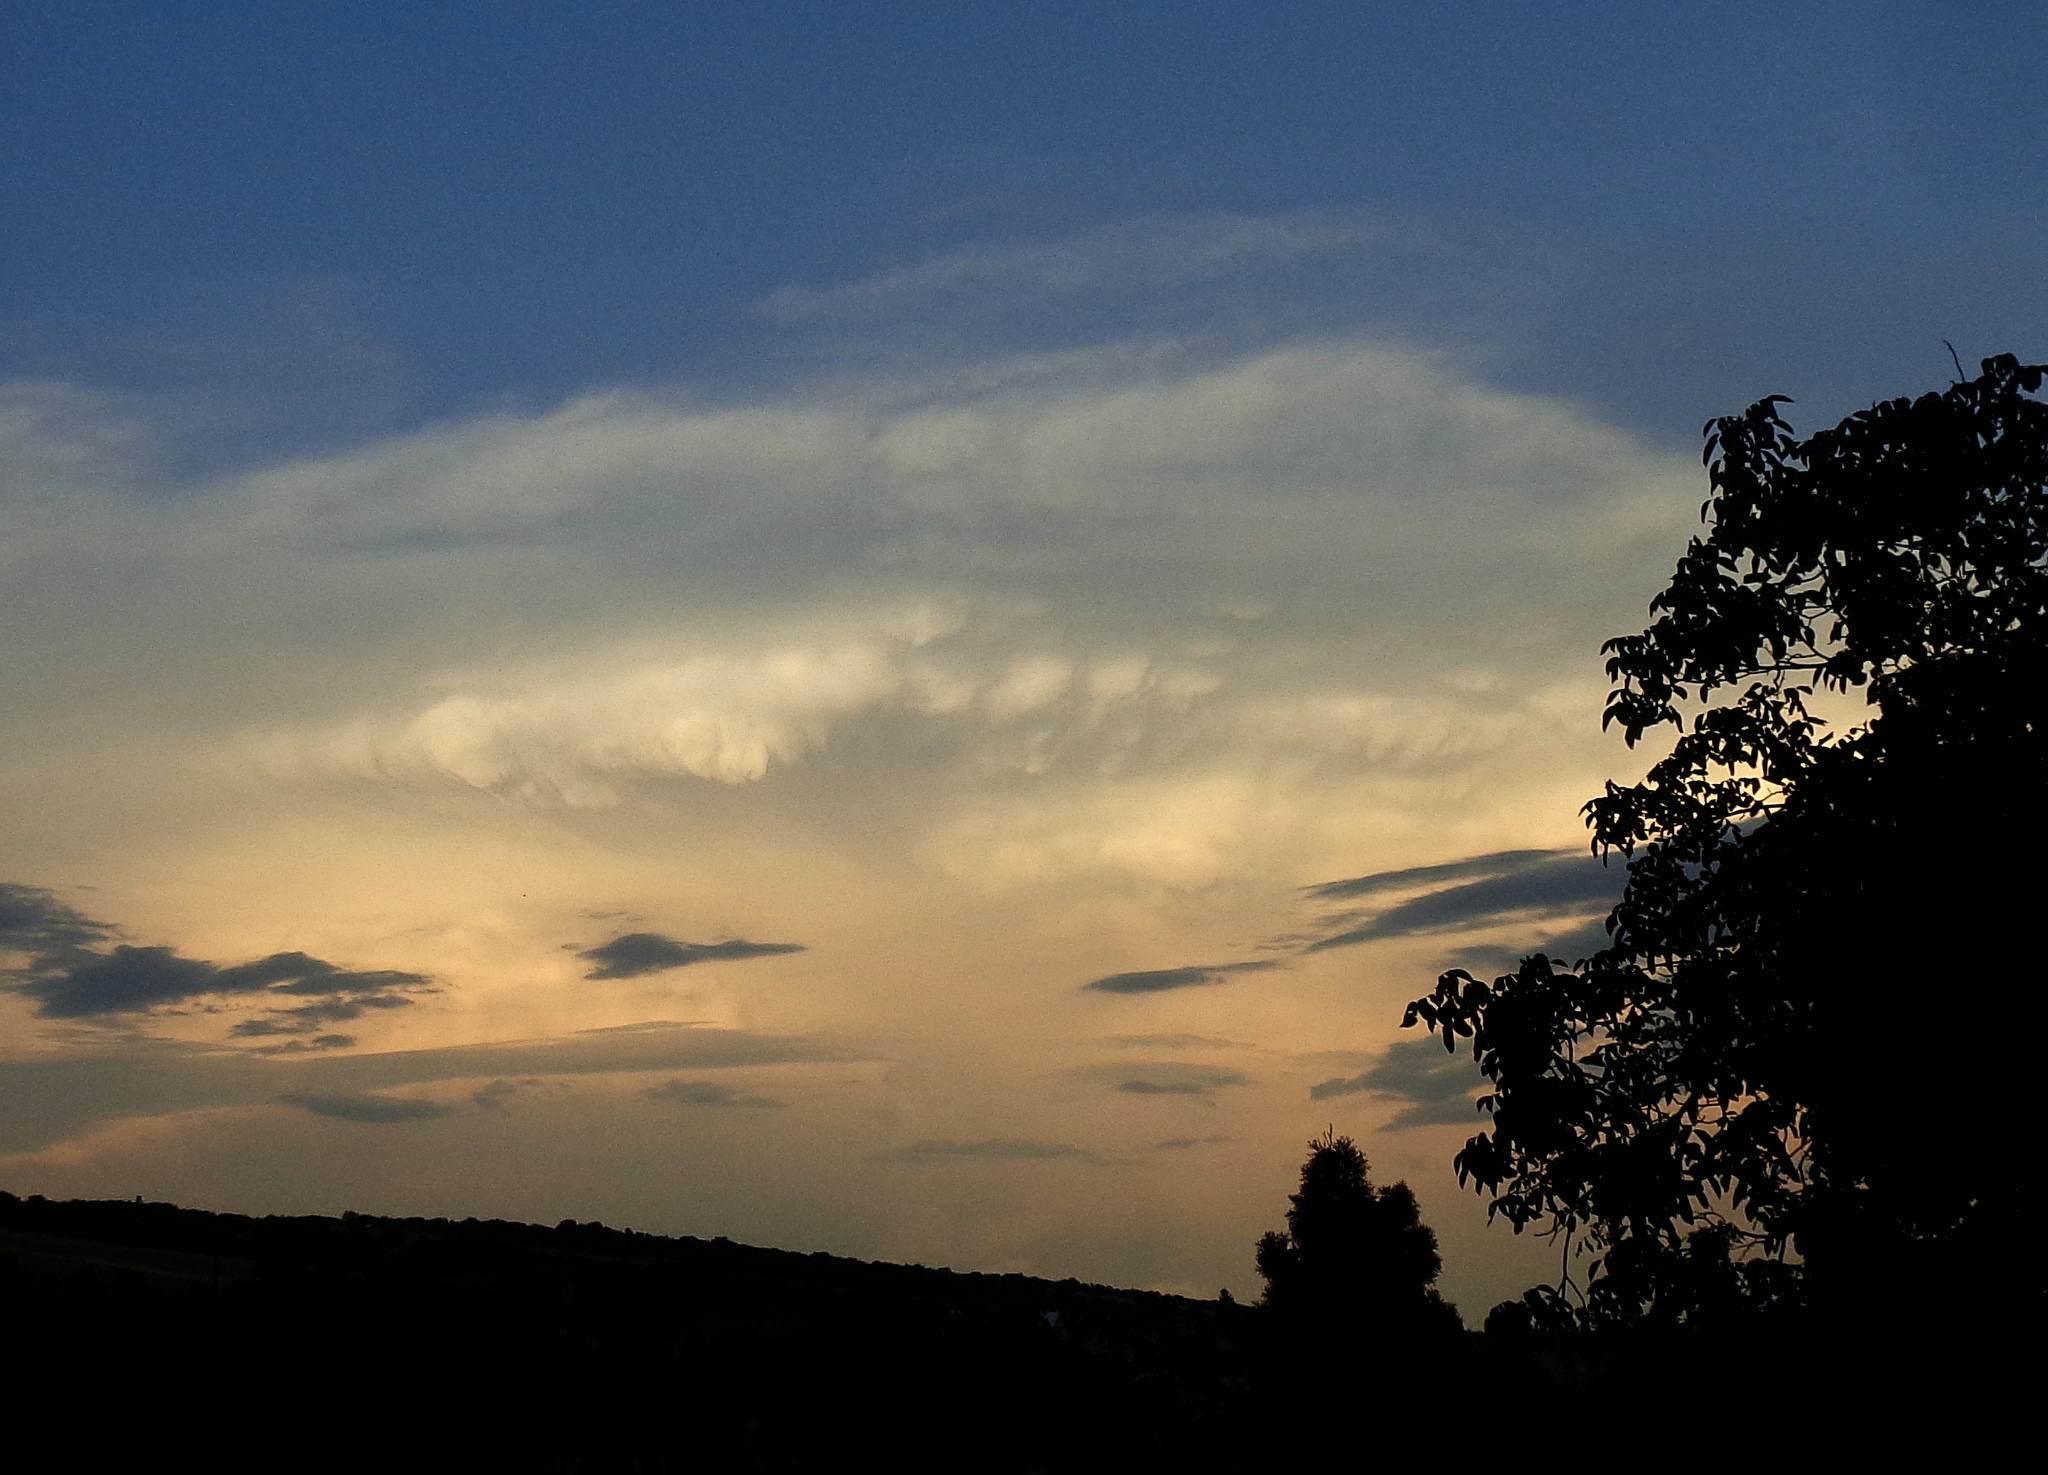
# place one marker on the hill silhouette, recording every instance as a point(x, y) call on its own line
point(387, 1343)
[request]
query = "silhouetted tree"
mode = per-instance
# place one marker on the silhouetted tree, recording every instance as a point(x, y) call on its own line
point(1806, 1033)
point(1356, 1261)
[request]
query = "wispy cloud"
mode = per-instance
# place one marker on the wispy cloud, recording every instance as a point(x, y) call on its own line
point(704, 1093)
point(1435, 1086)
point(1173, 1042)
point(1164, 980)
point(51, 1097)
point(1522, 885)
point(1134, 255)
point(1415, 878)
point(637, 954)
point(1162, 1077)
point(996, 1149)
point(379, 1109)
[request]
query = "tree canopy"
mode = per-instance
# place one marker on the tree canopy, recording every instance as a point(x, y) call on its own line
point(1813, 1027)
point(1356, 1258)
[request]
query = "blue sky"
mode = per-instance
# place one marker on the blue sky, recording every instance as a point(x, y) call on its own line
point(878, 627)
point(374, 214)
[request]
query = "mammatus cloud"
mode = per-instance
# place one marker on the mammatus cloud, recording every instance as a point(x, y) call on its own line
point(1102, 570)
point(636, 954)
point(68, 979)
point(1436, 1087)
point(368, 1108)
point(1163, 980)
point(1000, 1149)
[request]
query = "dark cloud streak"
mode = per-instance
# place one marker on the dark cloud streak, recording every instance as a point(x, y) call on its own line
point(379, 1109)
point(1497, 863)
point(997, 1149)
point(1161, 980)
point(1549, 885)
point(635, 954)
point(1436, 1086)
point(704, 1093)
point(68, 979)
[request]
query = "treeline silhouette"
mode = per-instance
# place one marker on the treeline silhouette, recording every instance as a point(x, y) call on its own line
point(363, 1342)
point(144, 1332)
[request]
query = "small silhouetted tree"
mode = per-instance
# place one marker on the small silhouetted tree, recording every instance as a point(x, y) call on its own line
point(1356, 1261)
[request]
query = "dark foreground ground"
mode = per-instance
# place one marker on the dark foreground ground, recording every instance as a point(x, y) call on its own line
point(144, 1336)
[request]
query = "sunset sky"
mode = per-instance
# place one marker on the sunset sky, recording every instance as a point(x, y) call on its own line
point(883, 627)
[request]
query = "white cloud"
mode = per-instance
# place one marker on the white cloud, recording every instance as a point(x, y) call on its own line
point(1131, 610)
point(1136, 254)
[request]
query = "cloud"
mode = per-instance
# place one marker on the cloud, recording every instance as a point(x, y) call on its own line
point(1526, 886)
point(1569, 947)
point(1415, 877)
point(1436, 1085)
point(1204, 1083)
point(1161, 1077)
point(636, 954)
point(1140, 612)
point(308, 1017)
point(1172, 1042)
point(69, 980)
point(125, 980)
point(1000, 1149)
point(51, 1097)
point(368, 1108)
point(703, 1093)
point(1181, 1144)
point(1162, 980)
point(1134, 255)
point(132, 980)
point(1104, 570)
point(301, 1047)
point(493, 1097)
point(32, 920)
point(647, 1047)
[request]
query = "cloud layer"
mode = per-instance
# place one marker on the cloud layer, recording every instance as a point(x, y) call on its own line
point(1033, 693)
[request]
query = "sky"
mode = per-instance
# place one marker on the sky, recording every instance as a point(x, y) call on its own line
point(880, 628)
